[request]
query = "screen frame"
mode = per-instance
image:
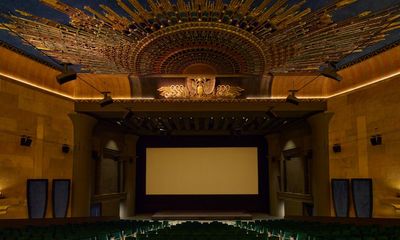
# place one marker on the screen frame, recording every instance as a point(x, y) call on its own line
point(153, 203)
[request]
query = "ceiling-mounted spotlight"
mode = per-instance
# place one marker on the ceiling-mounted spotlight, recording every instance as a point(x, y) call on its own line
point(272, 114)
point(128, 115)
point(237, 131)
point(291, 98)
point(330, 71)
point(107, 100)
point(66, 76)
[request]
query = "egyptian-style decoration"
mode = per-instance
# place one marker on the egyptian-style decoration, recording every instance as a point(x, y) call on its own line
point(233, 36)
point(200, 87)
point(174, 91)
point(228, 91)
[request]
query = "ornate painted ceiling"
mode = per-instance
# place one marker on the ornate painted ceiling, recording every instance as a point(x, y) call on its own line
point(231, 37)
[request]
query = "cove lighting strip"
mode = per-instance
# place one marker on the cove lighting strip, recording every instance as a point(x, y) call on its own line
point(149, 98)
point(18, 79)
point(366, 84)
point(387, 77)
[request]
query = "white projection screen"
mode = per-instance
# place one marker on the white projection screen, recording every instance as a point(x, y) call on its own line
point(202, 171)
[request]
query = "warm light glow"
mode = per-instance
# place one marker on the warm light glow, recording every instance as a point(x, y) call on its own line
point(115, 98)
point(366, 84)
point(35, 85)
point(338, 93)
point(18, 79)
point(284, 97)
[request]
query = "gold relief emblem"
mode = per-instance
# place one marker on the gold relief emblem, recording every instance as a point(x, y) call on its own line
point(174, 91)
point(200, 87)
point(228, 91)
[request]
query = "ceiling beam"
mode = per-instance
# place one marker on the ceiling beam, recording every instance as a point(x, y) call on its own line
point(242, 105)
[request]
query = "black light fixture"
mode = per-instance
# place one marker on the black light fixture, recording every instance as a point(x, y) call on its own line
point(330, 71)
point(376, 140)
point(107, 100)
point(128, 115)
point(271, 114)
point(66, 76)
point(236, 131)
point(337, 148)
point(25, 141)
point(65, 148)
point(291, 98)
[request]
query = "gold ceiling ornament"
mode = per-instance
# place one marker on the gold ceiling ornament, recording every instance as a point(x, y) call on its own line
point(227, 91)
point(289, 37)
point(174, 91)
point(200, 87)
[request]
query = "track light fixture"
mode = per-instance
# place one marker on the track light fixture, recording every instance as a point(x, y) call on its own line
point(330, 71)
point(291, 98)
point(271, 114)
point(128, 115)
point(107, 100)
point(66, 76)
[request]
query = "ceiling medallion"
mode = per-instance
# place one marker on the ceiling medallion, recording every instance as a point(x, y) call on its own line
point(289, 37)
point(200, 87)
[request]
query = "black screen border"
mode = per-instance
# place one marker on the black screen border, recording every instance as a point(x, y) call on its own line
point(154, 203)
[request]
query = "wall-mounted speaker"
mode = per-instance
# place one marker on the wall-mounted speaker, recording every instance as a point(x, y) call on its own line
point(65, 148)
point(376, 140)
point(26, 141)
point(337, 148)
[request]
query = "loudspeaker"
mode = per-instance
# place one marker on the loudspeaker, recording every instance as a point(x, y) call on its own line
point(337, 148)
point(65, 148)
point(341, 196)
point(362, 193)
point(61, 189)
point(36, 194)
point(25, 141)
point(376, 140)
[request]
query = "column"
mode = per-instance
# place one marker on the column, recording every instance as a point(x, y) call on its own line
point(128, 205)
point(274, 153)
point(320, 181)
point(82, 164)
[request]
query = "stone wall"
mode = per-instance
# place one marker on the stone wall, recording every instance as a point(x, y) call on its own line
point(357, 116)
point(43, 117)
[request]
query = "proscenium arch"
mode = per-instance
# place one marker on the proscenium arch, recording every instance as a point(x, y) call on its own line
point(229, 37)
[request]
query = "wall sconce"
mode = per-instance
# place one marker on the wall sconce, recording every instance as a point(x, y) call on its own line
point(376, 139)
point(337, 148)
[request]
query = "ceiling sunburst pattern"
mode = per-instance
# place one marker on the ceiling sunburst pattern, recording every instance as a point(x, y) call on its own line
point(233, 37)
